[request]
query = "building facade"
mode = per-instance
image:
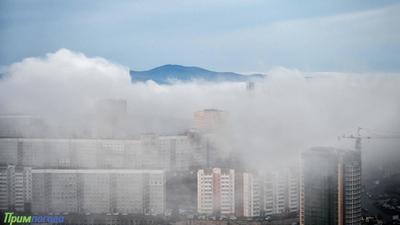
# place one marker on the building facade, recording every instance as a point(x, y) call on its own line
point(350, 188)
point(216, 191)
point(98, 191)
point(330, 187)
point(178, 152)
point(210, 119)
point(247, 195)
point(15, 188)
point(281, 192)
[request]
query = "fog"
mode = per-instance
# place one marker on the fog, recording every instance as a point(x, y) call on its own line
point(287, 112)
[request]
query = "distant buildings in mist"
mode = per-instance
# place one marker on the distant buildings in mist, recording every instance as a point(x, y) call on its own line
point(98, 191)
point(15, 188)
point(327, 191)
point(248, 195)
point(220, 192)
point(330, 187)
point(216, 191)
point(155, 174)
point(20, 125)
point(180, 152)
point(210, 119)
point(281, 191)
point(84, 173)
point(107, 119)
point(101, 175)
point(226, 192)
point(58, 191)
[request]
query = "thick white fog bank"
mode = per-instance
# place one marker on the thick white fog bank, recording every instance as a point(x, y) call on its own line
point(62, 82)
point(284, 114)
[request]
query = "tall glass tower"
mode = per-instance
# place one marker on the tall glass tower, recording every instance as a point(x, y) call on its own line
point(330, 187)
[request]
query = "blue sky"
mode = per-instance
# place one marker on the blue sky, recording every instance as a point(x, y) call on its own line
point(223, 35)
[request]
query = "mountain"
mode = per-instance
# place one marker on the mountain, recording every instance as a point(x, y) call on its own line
point(168, 73)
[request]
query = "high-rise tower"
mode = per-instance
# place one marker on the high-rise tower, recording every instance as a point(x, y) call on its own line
point(330, 187)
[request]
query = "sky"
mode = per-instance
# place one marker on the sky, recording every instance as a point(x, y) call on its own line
point(222, 35)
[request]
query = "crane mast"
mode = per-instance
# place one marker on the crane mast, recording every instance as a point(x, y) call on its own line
point(358, 138)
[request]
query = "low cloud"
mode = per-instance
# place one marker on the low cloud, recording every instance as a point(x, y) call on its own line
point(286, 113)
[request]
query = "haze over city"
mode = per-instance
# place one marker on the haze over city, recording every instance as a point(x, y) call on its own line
point(287, 112)
point(188, 112)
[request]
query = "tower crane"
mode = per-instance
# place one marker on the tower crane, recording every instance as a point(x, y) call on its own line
point(358, 137)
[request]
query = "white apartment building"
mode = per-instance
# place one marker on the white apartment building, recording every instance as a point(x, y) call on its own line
point(216, 191)
point(15, 188)
point(98, 191)
point(293, 202)
point(281, 192)
point(247, 195)
point(177, 152)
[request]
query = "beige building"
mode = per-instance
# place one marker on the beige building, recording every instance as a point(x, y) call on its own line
point(210, 119)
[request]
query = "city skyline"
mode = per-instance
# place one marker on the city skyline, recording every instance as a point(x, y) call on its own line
point(213, 112)
point(289, 101)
